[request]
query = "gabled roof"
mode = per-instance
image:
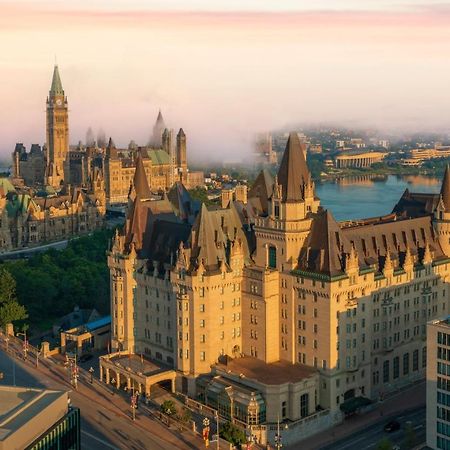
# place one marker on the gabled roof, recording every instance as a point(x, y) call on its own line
point(56, 88)
point(293, 173)
point(181, 201)
point(324, 247)
point(203, 240)
point(445, 189)
point(259, 194)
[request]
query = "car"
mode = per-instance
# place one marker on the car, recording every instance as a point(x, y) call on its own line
point(85, 358)
point(392, 426)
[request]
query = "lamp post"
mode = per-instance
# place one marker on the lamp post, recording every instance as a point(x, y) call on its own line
point(217, 429)
point(25, 343)
point(91, 373)
point(278, 443)
point(133, 404)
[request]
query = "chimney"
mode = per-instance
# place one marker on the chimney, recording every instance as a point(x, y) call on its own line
point(226, 196)
point(241, 193)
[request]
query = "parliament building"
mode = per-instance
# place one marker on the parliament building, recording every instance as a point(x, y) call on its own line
point(268, 308)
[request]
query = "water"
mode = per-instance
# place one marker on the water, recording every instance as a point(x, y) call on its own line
point(357, 198)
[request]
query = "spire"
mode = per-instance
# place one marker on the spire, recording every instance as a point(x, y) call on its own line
point(293, 173)
point(181, 133)
point(445, 189)
point(160, 119)
point(111, 143)
point(56, 88)
point(140, 182)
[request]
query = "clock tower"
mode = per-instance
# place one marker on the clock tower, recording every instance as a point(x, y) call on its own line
point(57, 133)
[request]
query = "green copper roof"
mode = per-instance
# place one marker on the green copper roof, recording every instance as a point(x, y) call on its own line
point(56, 88)
point(6, 185)
point(18, 204)
point(158, 157)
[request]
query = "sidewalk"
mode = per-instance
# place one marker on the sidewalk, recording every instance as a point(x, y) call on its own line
point(410, 398)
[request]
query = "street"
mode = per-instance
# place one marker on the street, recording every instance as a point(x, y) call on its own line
point(106, 417)
point(373, 434)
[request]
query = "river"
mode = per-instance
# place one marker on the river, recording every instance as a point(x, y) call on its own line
point(357, 198)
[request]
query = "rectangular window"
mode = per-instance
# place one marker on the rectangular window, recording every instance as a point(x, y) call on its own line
point(272, 257)
point(406, 364)
point(396, 367)
point(304, 405)
point(386, 372)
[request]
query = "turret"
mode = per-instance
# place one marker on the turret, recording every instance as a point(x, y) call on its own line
point(442, 214)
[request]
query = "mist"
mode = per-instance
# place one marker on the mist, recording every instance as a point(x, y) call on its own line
point(223, 77)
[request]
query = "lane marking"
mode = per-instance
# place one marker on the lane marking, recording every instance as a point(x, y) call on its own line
point(107, 444)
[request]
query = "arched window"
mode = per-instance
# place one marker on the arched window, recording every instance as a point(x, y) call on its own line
point(272, 257)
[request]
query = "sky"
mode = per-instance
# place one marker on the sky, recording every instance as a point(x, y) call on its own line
point(223, 69)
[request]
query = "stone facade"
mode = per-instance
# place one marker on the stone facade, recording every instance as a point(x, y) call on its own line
point(277, 279)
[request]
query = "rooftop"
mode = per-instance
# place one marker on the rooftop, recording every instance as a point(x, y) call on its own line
point(19, 406)
point(276, 373)
point(138, 364)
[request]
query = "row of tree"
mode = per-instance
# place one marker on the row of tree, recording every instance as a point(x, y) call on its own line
point(50, 284)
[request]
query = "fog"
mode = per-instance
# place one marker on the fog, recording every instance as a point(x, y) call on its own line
point(223, 76)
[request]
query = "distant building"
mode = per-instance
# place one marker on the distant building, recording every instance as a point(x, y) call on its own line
point(422, 154)
point(102, 167)
point(35, 419)
point(438, 384)
point(264, 153)
point(359, 160)
point(384, 143)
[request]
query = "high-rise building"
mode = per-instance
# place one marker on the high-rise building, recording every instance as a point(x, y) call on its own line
point(57, 132)
point(438, 384)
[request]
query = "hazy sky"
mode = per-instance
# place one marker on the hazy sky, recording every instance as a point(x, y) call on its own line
point(223, 69)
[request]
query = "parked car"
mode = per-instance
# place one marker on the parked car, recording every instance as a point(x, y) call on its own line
point(392, 426)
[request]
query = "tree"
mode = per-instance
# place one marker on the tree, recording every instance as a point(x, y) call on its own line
point(410, 436)
point(185, 416)
point(384, 444)
point(232, 434)
point(10, 309)
point(168, 407)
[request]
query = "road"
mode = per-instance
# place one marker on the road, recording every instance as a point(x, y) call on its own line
point(373, 434)
point(106, 418)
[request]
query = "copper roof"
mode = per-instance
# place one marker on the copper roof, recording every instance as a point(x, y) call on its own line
point(140, 182)
point(275, 373)
point(324, 247)
point(293, 173)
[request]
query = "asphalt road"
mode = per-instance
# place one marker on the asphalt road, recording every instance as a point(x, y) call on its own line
point(369, 438)
point(105, 418)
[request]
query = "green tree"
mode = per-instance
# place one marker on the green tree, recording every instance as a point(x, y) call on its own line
point(232, 433)
point(10, 309)
point(384, 444)
point(185, 416)
point(168, 407)
point(410, 436)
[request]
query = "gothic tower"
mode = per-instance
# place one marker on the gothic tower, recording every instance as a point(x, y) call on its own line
point(181, 155)
point(442, 214)
point(57, 132)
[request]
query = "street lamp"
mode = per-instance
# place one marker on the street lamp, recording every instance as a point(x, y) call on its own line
point(278, 443)
point(134, 404)
point(217, 429)
point(91, 373)
point(25, 343)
